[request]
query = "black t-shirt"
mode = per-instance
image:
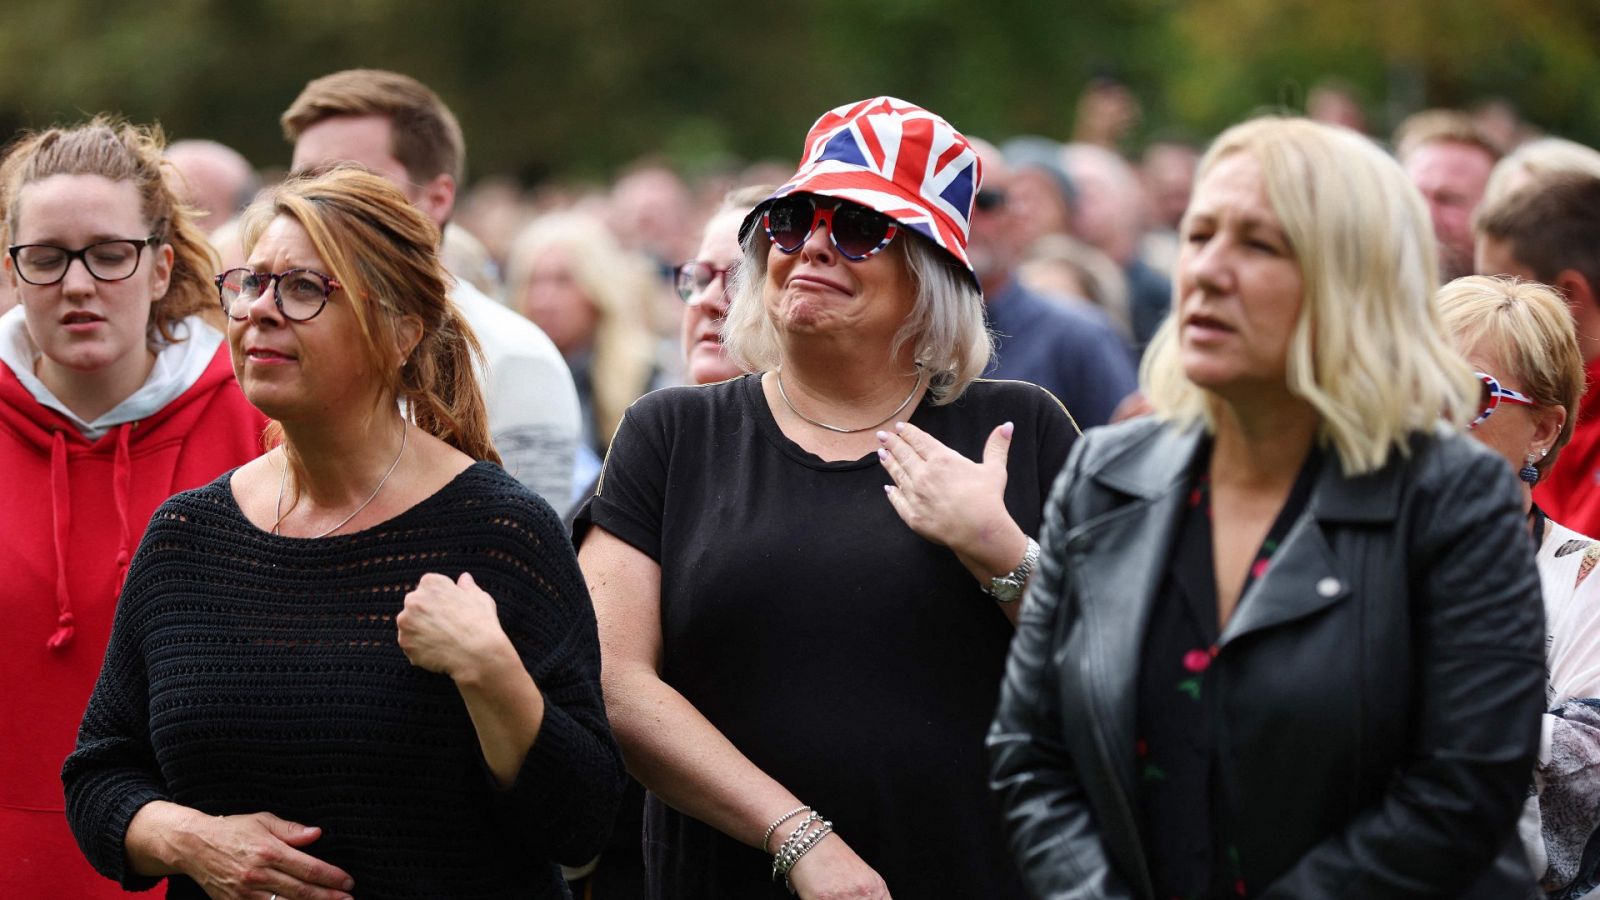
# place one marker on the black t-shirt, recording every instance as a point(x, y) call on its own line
point(850, 659)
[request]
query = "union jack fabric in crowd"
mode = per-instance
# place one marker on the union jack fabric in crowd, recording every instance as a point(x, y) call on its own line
point(899, 159)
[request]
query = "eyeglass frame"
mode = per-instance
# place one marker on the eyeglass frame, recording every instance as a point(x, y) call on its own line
point(81, 255)
point(824, 215)
point(723, 272)
point(329, 285)
point(1498, 393)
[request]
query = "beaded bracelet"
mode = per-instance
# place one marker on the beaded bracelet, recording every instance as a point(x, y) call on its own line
point(767, 838)
point(794, 838)
point(798, 844)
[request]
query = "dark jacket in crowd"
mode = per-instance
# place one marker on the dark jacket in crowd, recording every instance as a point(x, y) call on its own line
point(1381, 682)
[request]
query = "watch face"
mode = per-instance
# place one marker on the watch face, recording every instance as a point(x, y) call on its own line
point(1005, 590)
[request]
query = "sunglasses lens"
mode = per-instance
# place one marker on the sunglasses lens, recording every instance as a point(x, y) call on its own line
point(789, 222)
point(857, 231)
point(989, 201)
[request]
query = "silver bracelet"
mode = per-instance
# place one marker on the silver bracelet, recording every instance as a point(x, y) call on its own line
point(794, 838)
point(767, 838)
point(789, 855)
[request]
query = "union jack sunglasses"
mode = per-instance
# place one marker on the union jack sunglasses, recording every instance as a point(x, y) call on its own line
point(1494, 394)
point(856, 231)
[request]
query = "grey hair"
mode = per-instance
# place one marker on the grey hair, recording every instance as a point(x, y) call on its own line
point(946, 326)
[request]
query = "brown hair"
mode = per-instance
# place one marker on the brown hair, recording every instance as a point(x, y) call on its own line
point(424, 135)
point(1444, 125)
point(384, 253)
point(1528, 325)
point(120, 151)
point(1552, 224)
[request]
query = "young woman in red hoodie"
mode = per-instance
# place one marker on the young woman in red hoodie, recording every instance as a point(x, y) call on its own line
point(116, 391)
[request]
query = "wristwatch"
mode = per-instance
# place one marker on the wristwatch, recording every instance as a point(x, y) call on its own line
point(1007, 588)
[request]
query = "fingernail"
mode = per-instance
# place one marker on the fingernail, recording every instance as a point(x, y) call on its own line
point(1008, 428)
point(883, 454)
point(888, 489)
point(882, 436)
point(899, 427)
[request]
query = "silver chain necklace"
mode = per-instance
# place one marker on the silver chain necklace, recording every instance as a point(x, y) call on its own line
point(834, 428)
point(278, 510)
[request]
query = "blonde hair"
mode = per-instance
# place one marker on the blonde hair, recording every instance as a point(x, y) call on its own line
point(120, 151)
point(384, 253)
point(945, 327)
point(1536, 158)
point(617, 283)
point(1368, 352)
point(1528, 325)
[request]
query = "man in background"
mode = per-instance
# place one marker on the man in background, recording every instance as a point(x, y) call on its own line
point(398, 128)
point(1069, 352)
point(1549, 231)
point(1449, 161)
point(215, 179)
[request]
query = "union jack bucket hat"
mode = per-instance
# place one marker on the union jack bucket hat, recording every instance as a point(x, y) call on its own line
point(896, 158)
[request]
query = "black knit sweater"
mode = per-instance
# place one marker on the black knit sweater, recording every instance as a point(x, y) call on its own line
point(249, 672)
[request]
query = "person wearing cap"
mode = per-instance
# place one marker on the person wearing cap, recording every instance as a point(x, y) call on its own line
point(1286, 638)
point(806, 577)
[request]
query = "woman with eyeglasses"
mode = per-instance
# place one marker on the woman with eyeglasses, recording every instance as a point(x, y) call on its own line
point(1519, 337)
point(1285, 636)
point(115, 392)
point(363, 664)
point(704, 284)
point(806, 577)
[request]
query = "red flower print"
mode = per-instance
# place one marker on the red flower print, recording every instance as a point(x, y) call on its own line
point(1259, 569)
point(1140, 748)
point(1197, 660)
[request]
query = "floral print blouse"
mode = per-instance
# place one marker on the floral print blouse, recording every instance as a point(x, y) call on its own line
point(1185, 788)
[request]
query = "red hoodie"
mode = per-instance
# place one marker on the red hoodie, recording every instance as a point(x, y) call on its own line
point(74, 514)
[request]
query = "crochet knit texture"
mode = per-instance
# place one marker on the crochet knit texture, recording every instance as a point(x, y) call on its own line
point(249, 672)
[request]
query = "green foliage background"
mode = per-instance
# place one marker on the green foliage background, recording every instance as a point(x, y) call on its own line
point(579, 88)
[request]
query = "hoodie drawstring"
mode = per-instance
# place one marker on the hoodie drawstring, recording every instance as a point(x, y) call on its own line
point(61, 516)
point(121, 480)
point(61, 530)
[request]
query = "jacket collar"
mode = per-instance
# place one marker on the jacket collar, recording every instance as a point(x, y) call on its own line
point(1148, 469)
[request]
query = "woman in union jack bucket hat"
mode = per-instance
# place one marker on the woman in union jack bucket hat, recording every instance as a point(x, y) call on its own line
point(806, 577)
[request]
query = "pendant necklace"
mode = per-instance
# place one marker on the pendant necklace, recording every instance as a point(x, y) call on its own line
point(278, 510)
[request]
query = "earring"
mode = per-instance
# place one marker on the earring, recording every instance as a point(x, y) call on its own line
point(1528, 473)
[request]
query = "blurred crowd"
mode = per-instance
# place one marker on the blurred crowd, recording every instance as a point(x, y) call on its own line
point(1087, 223)
point(536, 326)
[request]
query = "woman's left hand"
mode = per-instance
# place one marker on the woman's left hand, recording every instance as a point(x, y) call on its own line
point(952, 500)
point(449, 626)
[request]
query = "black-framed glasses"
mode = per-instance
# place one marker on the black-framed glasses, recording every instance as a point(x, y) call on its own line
point(46, 264)
point(299, 293)
point(1494, 394)
point(694, 276)
point(856, 231)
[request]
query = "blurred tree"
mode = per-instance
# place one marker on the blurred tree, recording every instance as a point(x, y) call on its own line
point(579, 89)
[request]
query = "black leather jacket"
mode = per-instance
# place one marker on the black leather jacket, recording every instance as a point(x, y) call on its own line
point(1382, 681)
